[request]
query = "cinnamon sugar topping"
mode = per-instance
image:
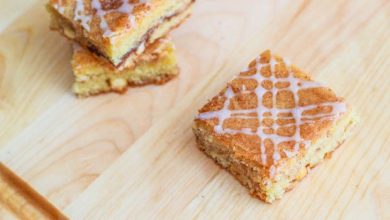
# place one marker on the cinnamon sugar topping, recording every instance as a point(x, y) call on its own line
point(281, 111)
point(124, 8)
point(100, 10)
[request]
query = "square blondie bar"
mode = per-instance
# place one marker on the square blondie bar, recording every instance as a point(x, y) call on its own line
point(94, 75)
point(117, 29)
point(271, 125)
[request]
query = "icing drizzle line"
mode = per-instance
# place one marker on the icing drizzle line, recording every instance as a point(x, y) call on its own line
point(125, 8)
point(58, 6)
point(262, 112)
point(80, 14)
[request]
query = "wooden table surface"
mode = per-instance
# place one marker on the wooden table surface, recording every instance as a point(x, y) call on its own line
point(133, 156)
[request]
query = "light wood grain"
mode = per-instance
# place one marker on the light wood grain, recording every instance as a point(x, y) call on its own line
point(19, 201)
point(11, 10)
point(117, 121)
point(180, 178)
point(31, 78)
point(343, 43)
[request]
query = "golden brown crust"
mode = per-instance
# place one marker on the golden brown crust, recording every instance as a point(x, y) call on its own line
point(239, 171)
point(117, 20)
point(126, 57)
point(270, 124)
point(163, 79)
point(94, 75)
point(115, 29)
point(160, 81)
point(255, 178)
point(248, 144)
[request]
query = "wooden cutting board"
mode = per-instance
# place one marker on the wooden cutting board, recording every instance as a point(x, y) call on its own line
point(133, 156)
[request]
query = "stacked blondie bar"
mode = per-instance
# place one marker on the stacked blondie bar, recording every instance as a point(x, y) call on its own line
point(119, 43)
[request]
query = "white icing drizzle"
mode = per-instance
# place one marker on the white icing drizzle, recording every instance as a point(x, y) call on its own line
point(295, 84)
point(96, 6)
point(141, 48)
point(58, 6)
point(81, 16)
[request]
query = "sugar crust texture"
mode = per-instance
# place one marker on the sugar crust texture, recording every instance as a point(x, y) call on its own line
point(271, 125)
point(117, 29)
point(94, 75)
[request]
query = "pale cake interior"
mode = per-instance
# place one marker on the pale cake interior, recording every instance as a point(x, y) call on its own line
point(271, 124)
point(163, 29)
point(94, 75)
point(135, 39)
